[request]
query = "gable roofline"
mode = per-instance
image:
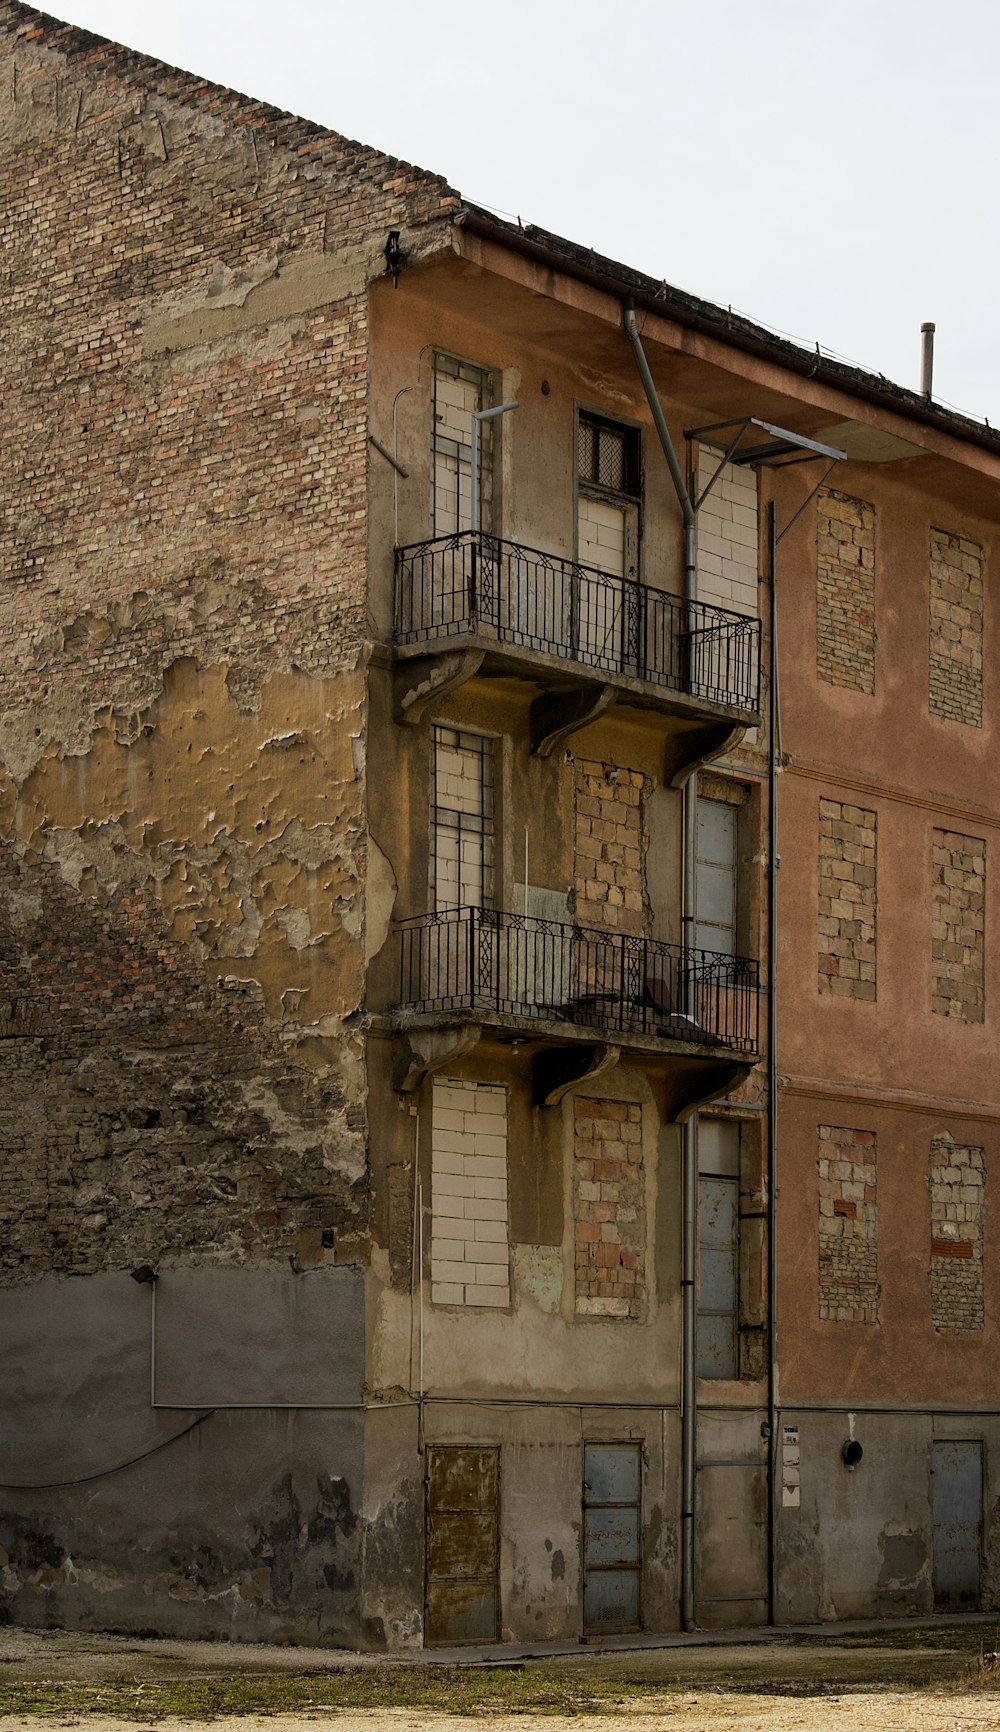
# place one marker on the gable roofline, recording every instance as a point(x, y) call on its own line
point(24, 23)
point(695, 314)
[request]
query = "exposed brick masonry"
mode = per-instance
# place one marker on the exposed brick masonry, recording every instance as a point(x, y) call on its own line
point(957, 1180)
point(958, 913)
point(845, 591)
point(609, 1211)
point(847, 900)
point(848, 1226)
point(956, 628)
point(609, 883)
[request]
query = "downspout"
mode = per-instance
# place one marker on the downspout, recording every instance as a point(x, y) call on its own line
point(689, 1182)
point(774, 758)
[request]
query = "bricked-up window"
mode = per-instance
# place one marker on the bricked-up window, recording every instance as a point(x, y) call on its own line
point(460, 389)
point(716, 859)
point(609, 1209)
point(958, 916)
point(718, 1247)
point(609, 888)
point(462, 818)
point(470, 1260)
point(727, 536)
point(956, 628)
point(848, 1226)
point(847, 900)
point(845, 591)
point(957, 1180)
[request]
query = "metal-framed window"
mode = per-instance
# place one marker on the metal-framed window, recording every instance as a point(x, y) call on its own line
point(607, 455)
point(718, 1247)
point(716, 863)
point(463, 834)
point(460, 389)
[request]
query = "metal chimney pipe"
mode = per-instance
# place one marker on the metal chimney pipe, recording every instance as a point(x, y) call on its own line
point(926, 359)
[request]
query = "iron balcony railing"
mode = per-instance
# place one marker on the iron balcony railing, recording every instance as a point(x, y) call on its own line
point(480, 959)
point(472, 582)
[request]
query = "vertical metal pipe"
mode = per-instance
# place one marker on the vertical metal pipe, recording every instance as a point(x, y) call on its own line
point(689, 1181)
point(774, 736)
point(926, 358)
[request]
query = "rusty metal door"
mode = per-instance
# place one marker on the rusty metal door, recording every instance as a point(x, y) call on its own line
point(463, 1552)
point(612, 1528)
point(957, 1494)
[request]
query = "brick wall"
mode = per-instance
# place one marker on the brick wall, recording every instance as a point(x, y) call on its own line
point(848, 1225)
point(728, 537)
point(470, 1260)
point(182, 622)
point(957, 1181)
point(957, 930)
point(847, 900)
point(609, 1209)
point(845, 591)
point(956, 628)
point(609, 880)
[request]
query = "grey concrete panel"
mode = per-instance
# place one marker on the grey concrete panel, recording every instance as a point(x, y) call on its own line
point(247, 1526)
point(249, 1336)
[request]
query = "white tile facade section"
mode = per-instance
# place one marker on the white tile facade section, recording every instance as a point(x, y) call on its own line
point(727, 537)
point(469, 1234)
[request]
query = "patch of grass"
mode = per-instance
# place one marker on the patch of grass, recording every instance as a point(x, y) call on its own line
point(471, 1690)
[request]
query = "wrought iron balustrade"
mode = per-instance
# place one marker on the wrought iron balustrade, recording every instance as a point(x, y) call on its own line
point(473, 582)
point(516, 965)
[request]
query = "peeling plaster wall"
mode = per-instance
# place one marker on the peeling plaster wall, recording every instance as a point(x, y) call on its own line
point(183, 711)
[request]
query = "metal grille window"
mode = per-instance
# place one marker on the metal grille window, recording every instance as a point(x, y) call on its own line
point(460, 389)
point(718, 1247)
point(608, 456)
point(462, 819)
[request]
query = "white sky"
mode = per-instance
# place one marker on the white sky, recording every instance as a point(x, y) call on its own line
point(828, 169)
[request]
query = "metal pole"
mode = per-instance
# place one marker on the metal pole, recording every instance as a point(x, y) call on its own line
point(689, 1181)
point(774, 732)
point(927, 359)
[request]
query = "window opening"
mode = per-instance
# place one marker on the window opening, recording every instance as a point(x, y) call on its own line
point(715, 876)
point(462, 819)
point(460, 389)
point(607, 536)
point(718, 1247)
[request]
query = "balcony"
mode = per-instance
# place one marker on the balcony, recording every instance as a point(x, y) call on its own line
point(540, 977)
point(560, 623)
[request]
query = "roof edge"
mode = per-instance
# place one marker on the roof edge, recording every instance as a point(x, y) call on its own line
point(704, 316)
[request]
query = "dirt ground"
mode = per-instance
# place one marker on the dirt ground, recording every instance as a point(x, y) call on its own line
point(881, 1712)
point(860, 1679)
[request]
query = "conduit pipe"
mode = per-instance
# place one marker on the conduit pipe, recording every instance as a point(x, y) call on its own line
point(689, 1182)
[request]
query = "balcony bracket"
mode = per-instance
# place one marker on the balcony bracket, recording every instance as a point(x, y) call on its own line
point(556, 715)
point(688, 749)
point(556, 1071)
point(423, 680)
point(423, 1051)
point(688, 1089)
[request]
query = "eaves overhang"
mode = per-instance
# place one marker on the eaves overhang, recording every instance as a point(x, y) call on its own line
point(695, 314)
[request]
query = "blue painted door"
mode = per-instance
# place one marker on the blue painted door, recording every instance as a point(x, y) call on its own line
point(612, 1511)
point(957, 1492)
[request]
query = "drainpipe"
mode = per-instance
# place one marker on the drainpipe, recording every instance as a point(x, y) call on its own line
point(774, 755)
point(689, 1183)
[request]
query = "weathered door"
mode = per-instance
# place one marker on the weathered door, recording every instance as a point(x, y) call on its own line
point(463, 1511)
point(612, 1525)
point(957, 1492)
